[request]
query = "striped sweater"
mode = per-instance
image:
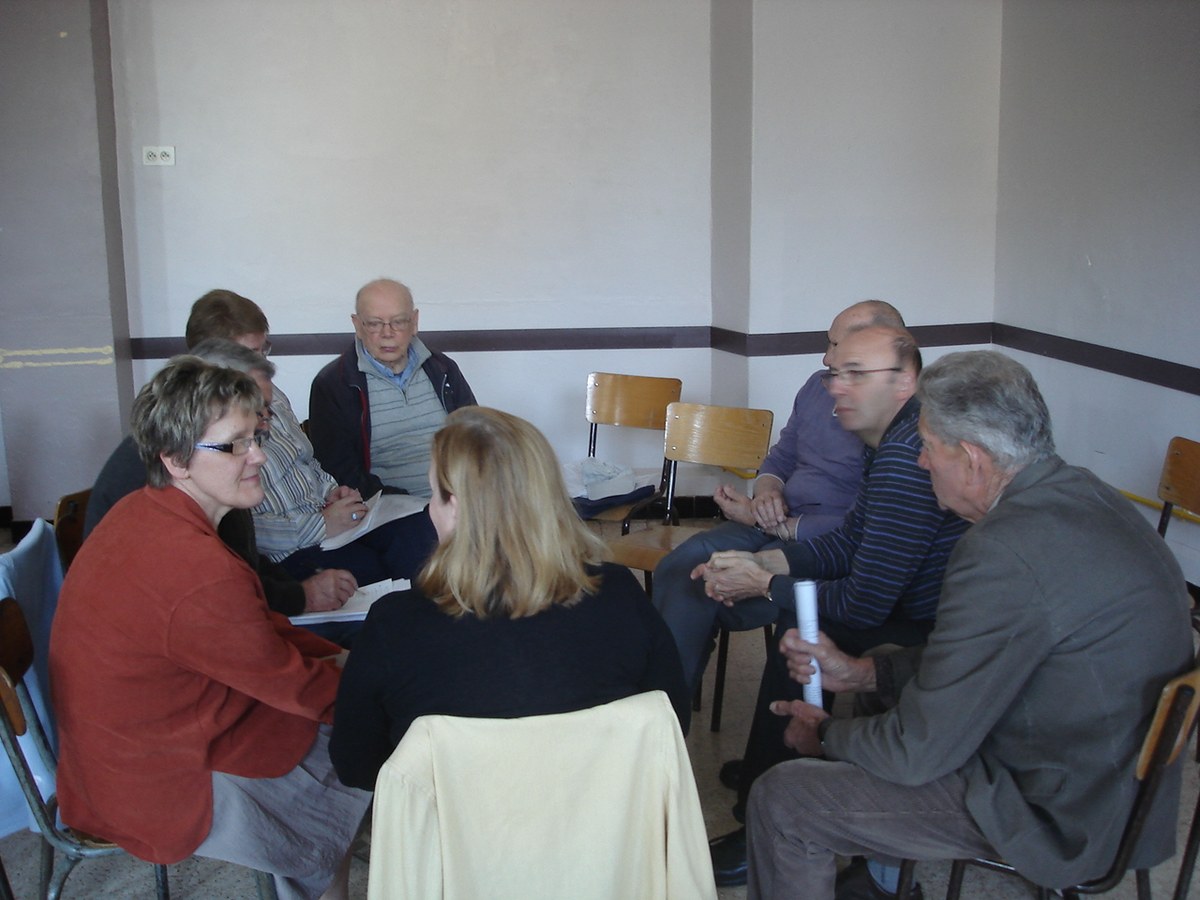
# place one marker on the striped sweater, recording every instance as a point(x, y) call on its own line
point(888, 556)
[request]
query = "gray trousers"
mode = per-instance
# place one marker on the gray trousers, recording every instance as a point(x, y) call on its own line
point(805, 812)
point(297, 827)
point(689, 612)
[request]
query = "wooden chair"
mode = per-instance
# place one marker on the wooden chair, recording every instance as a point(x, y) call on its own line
point(19, 718)
point(1168, 733)
point(724, 436)
point(1179, 485)
point(68, 524)
point(628, 401)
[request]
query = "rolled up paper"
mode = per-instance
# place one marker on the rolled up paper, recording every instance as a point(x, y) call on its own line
point(806, 618)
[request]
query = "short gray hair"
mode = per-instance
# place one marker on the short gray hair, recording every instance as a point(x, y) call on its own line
point(231, 355)
point(172, 412)
point(990, 400)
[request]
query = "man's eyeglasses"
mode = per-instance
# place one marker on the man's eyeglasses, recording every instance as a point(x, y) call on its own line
point(375, 326)
point(239, 447)
point(853, 376)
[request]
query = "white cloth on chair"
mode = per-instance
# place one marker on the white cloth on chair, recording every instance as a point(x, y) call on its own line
point(31, 574)
point(598, 804)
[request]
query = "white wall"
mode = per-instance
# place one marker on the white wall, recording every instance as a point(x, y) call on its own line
point(518, 164)
point(1098, 232)
point(542, 162)
point(875, 136)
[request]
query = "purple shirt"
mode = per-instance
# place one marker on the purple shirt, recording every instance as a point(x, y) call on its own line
point(818, 461)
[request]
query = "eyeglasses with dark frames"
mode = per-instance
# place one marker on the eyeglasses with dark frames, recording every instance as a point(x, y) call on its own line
point(238, 447)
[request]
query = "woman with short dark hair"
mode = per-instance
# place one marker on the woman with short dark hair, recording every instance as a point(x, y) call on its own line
point(190, 715)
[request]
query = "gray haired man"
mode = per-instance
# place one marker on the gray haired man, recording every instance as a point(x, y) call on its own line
point(1015, 730)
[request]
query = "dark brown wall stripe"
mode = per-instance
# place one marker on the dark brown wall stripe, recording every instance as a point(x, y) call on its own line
point(1093, 356)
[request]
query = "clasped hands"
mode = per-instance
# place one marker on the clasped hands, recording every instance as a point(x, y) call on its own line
point(767, 510)
point(733, 575)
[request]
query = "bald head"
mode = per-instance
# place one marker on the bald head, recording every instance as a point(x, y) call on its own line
point(385, 320)
point(861, 315)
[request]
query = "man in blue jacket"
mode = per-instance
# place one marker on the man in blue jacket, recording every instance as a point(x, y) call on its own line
point(373, 410)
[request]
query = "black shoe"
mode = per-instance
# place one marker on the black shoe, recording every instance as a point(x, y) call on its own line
point(729, 858)
point(730, 774)
point(855, 883)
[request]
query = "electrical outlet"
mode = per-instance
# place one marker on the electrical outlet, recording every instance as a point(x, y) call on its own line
point(158, 156)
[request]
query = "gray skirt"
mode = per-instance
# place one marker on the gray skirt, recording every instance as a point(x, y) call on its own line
point(297, 827)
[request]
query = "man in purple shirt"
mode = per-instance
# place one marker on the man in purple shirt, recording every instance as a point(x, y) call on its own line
point(804, 488)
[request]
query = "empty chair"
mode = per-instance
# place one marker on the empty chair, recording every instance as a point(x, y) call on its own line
point(730, 437)
point(726, 436)
point(598, 804)
point(627, 401)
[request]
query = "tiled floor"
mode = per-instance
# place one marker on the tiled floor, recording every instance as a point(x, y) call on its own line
point(126, 878)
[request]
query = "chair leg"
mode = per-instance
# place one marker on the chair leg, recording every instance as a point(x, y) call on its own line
point(46, 867)
point(1188, 865)
point(719, 681)
point(59, 877)
point(907, 869)
point(954, 886)
point(1143, 884)
point(161, 885)
point(6, 892)
point(265, 882)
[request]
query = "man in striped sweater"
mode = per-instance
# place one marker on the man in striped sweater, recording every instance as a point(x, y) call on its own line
point(879, 573)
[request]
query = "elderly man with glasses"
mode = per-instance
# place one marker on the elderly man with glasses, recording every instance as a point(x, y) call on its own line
point(373, 410)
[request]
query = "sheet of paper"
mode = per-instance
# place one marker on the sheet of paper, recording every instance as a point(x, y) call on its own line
point(358, 604)
point(380, 508)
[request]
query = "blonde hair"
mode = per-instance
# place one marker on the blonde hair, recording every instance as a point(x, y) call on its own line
point(518, 546)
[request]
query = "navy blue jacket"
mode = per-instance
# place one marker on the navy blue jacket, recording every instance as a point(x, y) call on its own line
point(339, 415)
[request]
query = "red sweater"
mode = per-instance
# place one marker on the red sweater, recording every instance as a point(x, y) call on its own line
point(166, 664)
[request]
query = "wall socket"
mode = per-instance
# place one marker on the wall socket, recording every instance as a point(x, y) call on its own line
point(158, 156)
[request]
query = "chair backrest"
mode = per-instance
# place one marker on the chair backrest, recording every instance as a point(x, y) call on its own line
point(542, 806)
point(726, 436)
point(628, 401)
point(18, 716)
point(1179, 484)
point(68, 524)
point(1181, 693)
point(16, 656)
point(1168, 734)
